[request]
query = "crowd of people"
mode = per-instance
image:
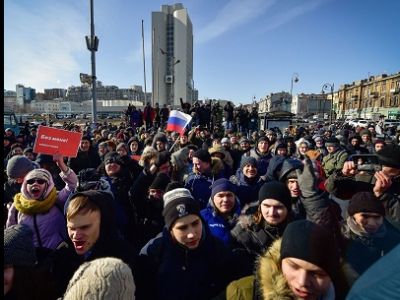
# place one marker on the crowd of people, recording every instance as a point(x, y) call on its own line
point(212, 213)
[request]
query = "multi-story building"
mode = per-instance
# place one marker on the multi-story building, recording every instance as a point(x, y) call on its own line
point(105, 92)
point(24, 95)
point(55, 93)
point(46, 106)
point(371, 97)
point(10, 100)
point(276, 102)
point(305, 105)
point(172, 56)
point(79, 93)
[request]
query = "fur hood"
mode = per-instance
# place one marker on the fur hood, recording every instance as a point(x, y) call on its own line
point(148, 155)
point(217, 166)
point(270, 280)
point(180, 158)
point(271, 283)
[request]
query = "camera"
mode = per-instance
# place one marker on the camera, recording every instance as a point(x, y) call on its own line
point(366, 162)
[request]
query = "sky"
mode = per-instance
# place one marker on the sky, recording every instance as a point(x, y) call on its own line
point(243, 49)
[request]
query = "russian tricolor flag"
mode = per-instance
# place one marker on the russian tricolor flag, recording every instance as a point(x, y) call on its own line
point(177, 121)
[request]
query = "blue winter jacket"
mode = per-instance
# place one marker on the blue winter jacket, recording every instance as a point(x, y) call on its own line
point(219, 227)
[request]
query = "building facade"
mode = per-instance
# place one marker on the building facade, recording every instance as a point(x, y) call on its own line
point(10, 100)
point(305, 105)
point(172, 56)
point(24, 95)
point(275, 102)
point(369, 98)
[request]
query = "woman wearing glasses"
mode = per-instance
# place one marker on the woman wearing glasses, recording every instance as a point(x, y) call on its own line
point(41, 207)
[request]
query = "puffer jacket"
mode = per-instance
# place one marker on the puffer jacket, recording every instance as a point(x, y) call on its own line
point(199, 184)
point(50, 229)
point(220, 227)
point(269, 282)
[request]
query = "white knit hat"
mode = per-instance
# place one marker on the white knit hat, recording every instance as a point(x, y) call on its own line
point(102, 278)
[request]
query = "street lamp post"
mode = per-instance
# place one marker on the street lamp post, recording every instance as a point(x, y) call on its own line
point(92, 43)
point(295, 79)
point(325, 87)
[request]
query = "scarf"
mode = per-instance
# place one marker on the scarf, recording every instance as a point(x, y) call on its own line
point(357, 230)
point(32, 207)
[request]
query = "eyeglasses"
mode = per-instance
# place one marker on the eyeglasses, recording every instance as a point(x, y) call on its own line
point(39, 181)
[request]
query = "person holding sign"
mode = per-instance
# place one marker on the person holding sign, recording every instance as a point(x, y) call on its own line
point(41, 207)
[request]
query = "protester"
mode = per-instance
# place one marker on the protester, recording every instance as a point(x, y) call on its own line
point(22, 278)
point(205, 171)
point(223, 209)
point(303, 264)
point(254, 233)
point(185, 261)
point(40, 206)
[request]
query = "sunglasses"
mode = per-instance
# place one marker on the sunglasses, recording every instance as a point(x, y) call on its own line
point(39, 181)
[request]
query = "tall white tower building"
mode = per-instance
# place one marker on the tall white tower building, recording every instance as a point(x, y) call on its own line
point(172, 56)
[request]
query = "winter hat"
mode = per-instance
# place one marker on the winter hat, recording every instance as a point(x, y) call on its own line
point(28, 150)
point(18, 166)
point(179, 203)
point(275, 190)
point(248, 160)
point(311, 242)
point(113, 157)
point(44, 159)
point(365, 131)
point(332, 142)
point(365, 202)
point(390, 156)
point(160, 182)
point(289, 167)
point(38, 174)
point(225, 140)
point(379, 141)
point(122, 145)
point(203, 155)
point(19, 249)
point(244, 140)
point(173, 185)
point(222, 185)
point(102, 278)
point(263, 138)
point(217, 149)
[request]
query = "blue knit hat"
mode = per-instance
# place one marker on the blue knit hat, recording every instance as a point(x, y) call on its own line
point(222, 185)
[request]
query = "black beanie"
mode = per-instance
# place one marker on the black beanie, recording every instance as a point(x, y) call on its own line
point(160, 182)
point(308, 241)
point(113, 157)
point(365, 202)
point(390, 156)
point(179, 203)
point(203, 155)
point(275, 190)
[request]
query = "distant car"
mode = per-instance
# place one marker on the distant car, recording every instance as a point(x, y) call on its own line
point(389, 122)
point(361, 123)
